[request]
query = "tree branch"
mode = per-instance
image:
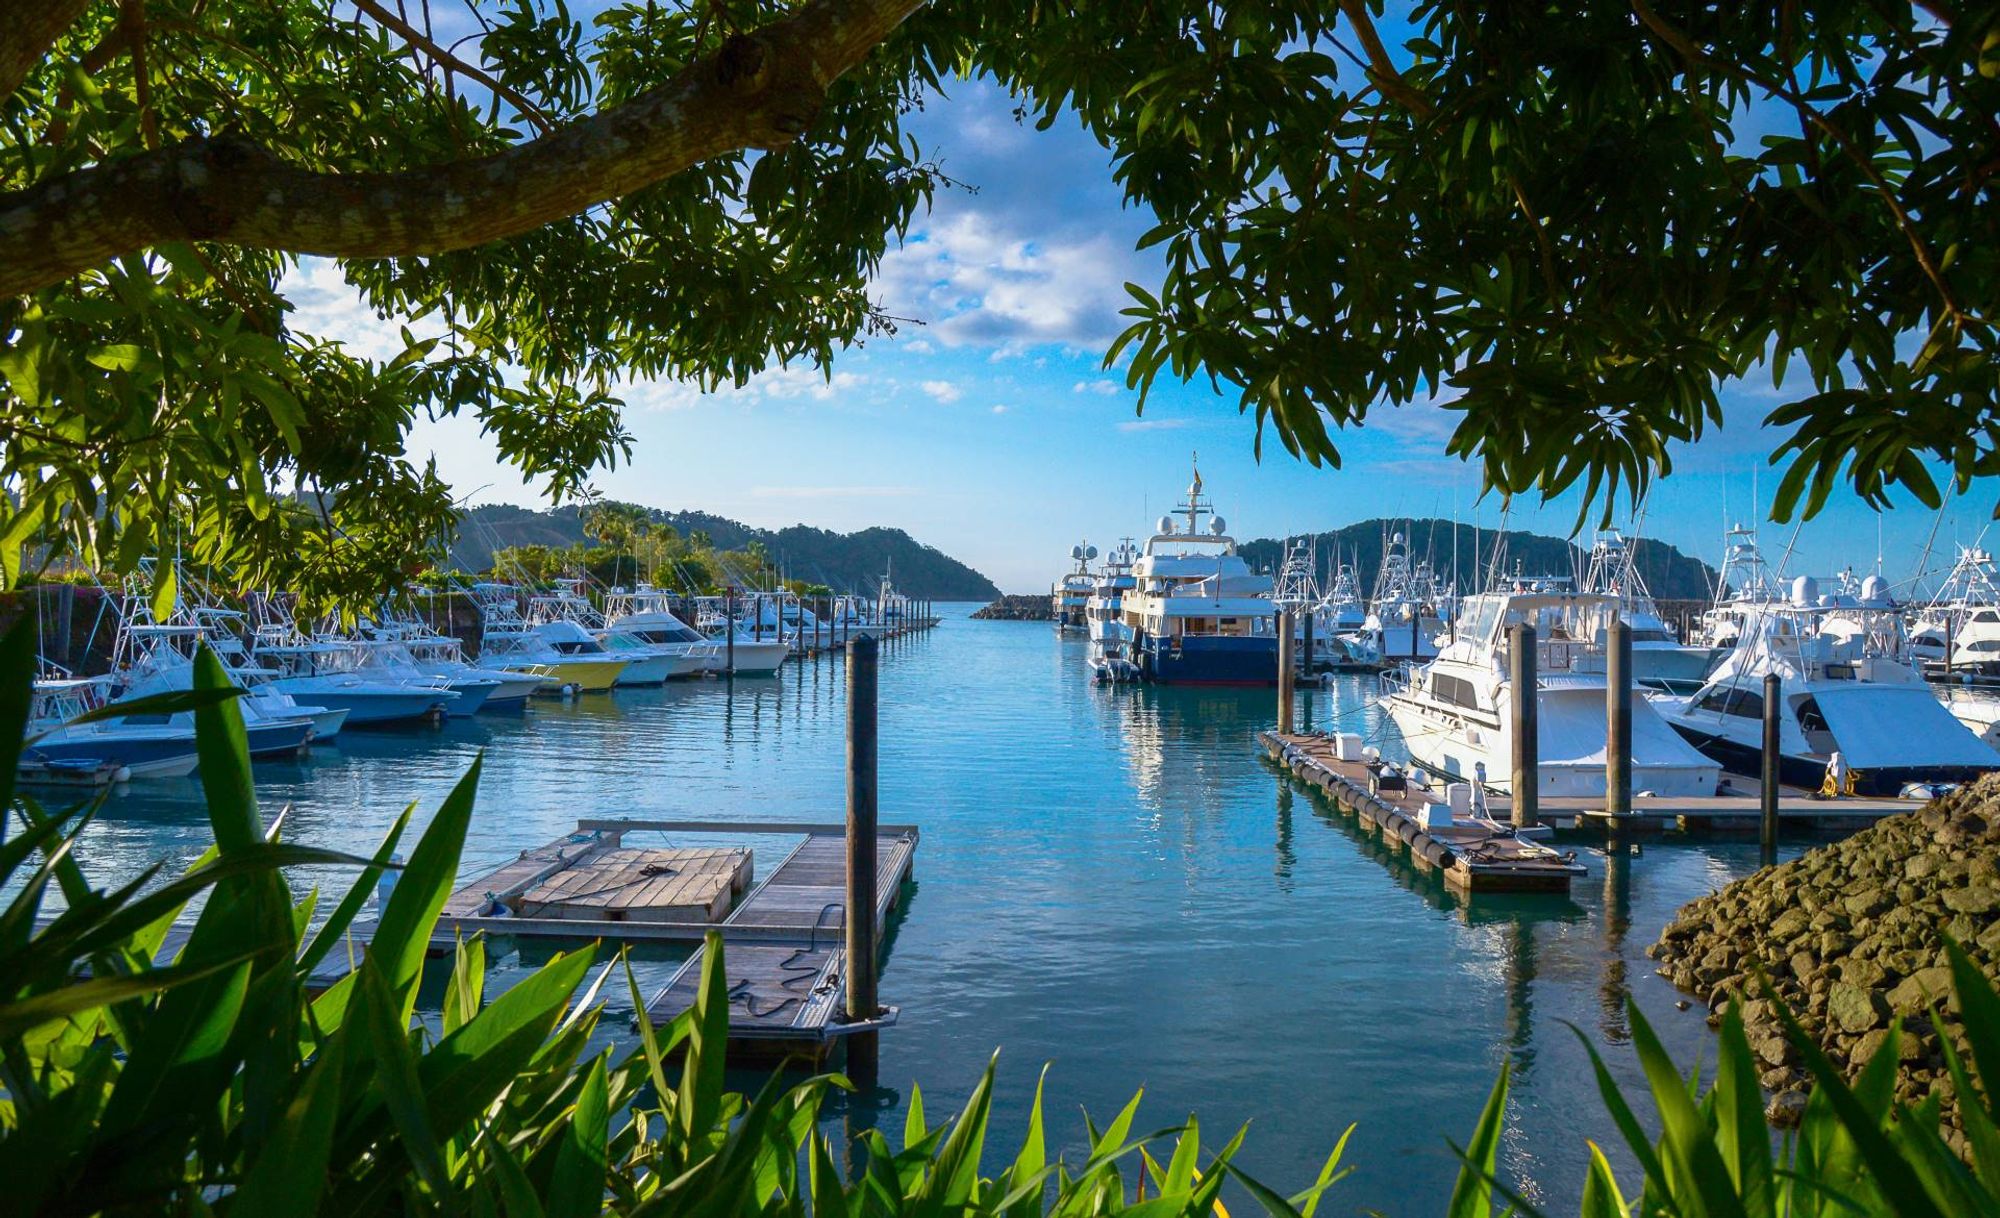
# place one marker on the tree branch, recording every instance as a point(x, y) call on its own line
point(415, 37)
point(27, 34)
point(759, 90)
point(1382, 69)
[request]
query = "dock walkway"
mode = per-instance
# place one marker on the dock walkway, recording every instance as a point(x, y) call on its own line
point(1471, 855)
point(786, 998)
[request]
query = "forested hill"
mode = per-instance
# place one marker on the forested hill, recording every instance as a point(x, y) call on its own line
point(846, 562)
point(1670, 574)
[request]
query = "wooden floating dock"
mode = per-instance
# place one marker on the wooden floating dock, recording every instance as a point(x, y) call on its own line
point(1472, 855)
point(786, 999)
point(1738, 813)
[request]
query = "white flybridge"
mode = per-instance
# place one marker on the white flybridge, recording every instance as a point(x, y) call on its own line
point(1456, 713)
point(646, 614)
point(1659, 659)
point(1406, 613)
point(645, 663)
point(1742, 587)
point(1848, 689)
point(1199, 615)
point(1072, 592)
point(1963, 617)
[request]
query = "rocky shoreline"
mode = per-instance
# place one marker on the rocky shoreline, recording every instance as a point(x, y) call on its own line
point(1850, 936)
point(1012, 608)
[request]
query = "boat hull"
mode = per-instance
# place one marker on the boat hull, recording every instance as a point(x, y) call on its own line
point(1809, 771)
point(367, 707)
point(164, 755)
point(646, 670)
point(753, 659)
point(585, 676)
point(1210, 660)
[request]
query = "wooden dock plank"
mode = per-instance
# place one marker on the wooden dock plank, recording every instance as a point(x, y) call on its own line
point(793, 993)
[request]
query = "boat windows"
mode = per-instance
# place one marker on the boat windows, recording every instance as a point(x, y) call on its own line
point(1456, 690)
point(1744, 703)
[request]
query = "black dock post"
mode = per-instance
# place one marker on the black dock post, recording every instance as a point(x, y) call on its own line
point(1282, 619)
point(1526, 792)
point(1767, 795)
point(862, 1048)
point(1307, 626)
point(1618, 722)
point(729, 628)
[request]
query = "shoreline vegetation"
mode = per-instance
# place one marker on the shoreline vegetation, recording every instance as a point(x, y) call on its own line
point(225, 1080)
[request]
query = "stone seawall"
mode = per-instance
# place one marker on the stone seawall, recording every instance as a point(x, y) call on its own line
point(1033, 608)
point(1850, 936)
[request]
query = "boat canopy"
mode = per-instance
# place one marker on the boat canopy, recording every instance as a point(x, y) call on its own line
point(1898, 726)
point(1570, 731)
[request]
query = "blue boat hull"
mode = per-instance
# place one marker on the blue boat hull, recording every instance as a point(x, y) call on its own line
point(128, 751)
point(1210, 660)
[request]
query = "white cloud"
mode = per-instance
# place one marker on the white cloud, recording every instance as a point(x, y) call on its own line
point(325, 306)
point(1100, 385)
point(979, 281)
point(943, 391)
point(775, 385)
point(1153, 425)
point(1000, 410)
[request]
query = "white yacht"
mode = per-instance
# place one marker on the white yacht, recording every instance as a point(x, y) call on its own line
point(1848, 687)
point(753, 651)
point(154, 658)
point(1198, 614)
point(1659, 660)
point(562, 653)
point(1343, 617)
point(645, 663)
point(646, 614)
point(1072, 592)
point(56, 746)
point(1104, 615)
point(1964, 619)
point(409, 648)
point(1456, 712)
point(1407, 612)
point(1744, 585)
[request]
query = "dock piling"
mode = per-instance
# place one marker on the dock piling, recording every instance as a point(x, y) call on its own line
point(863, 1049)
point(729, 628)
point(1521, 677)
point(1618, 722)
point(1283, 621)
point(1307, 642)
point(1767, 795)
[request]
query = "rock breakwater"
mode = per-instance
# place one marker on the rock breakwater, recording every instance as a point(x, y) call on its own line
point(1012, 608)
point(1851, 935)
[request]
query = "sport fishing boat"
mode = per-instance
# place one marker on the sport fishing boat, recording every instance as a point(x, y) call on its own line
point(410, 649)
point(1071, 595)
point(1342, 617)
point(1456, 713)
point(1407, 613)
point(1848, 689)
point(332, 673)
point(645, 664)
point(1198, 614)
point(57, 746)
point(753, 652)
point(646, 615)
point(1743, 586)
point(1961, 623)
point(156, 658)
point(1659, 660)
point(1104, 616)
point(562, 653)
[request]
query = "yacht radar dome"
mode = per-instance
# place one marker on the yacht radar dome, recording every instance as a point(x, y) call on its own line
point(1216, 525)
point(1090, 551)
point(1166, 524)
point(1805, 591)
point(1874, 591)
point(1076, 551)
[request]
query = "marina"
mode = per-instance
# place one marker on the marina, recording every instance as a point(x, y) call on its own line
point(1052, 869)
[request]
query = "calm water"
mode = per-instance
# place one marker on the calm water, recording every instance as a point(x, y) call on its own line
point(1109, 881)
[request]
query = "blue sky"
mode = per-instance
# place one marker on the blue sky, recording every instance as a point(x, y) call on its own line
point(992, 431)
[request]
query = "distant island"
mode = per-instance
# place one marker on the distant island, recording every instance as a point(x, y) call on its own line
point(1669, 574)
point(845, 562)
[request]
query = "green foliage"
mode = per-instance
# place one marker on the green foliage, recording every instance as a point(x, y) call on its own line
point(229, 1081)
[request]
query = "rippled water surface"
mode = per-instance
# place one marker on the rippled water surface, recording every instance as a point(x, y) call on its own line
point(1110, 881)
